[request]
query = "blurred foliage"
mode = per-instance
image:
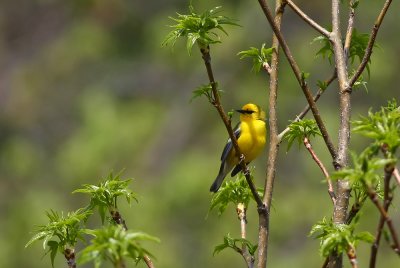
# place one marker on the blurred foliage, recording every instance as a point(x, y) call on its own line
point(86, 88)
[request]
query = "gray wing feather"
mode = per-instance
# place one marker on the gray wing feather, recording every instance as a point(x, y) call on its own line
point(228, 147)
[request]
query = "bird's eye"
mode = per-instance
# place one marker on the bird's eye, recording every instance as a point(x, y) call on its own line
point(248, 111)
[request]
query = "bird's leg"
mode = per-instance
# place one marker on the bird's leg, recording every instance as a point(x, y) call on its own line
point(246, 172)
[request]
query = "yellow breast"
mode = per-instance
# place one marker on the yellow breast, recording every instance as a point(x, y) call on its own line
point(252, 138)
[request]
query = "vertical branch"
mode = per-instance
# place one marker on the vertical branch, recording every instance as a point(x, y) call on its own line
point(341, 160)
point(349, 32)
point(69, 254)
point(263, 233)
point(241, 212)
point(396, 175)
point(351, 254)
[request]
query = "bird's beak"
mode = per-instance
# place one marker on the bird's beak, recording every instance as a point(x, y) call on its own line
point(240, 111)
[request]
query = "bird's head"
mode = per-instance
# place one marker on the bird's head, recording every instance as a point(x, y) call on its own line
point(251, 111)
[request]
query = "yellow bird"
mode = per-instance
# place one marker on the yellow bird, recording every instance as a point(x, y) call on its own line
point(251, 136)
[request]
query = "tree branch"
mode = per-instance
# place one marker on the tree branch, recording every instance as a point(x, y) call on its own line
point(217, 104)
point(241, 212)
point(69, 254)
point(386, 218)
point(331, 192)
point(387, 200)
point(351, 254)
point(263, 231)
point(349, 32)
point(307, 19)
point(396, 175)
point(341, 159)
point(371, 43)
point(299, 77)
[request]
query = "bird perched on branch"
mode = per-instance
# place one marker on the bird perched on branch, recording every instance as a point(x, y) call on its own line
point(251, 137)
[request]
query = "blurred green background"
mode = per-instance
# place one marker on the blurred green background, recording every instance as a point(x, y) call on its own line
point(86, 88)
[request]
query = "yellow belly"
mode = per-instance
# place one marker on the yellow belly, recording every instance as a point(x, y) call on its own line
point(252, 138)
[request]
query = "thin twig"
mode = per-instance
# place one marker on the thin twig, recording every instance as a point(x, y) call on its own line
point(387, 200)
point(374, 198)
point(117, 218)
point(263, 232)
point(241, 212)
point(300, 78)
point(148, 261)
point(349, 32)
point(306, 109)
point(331, 191)
point(351, 254)
point(307, 19)
point(205, 52)
point(355, 208)
point(396, 175)
point(371, 43)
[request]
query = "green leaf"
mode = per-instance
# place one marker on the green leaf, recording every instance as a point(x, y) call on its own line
point(304, 76)
point(230, 242)
point(382, 126)
point(104, 195)
point(53, 245)
point(259, 56)
point(114, 243)
point(298, 130)
point(233, 192)
point(198, 28)
point(322, 85)
point(337, 238)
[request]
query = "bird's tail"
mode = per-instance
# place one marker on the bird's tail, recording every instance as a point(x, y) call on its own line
point(223, 171)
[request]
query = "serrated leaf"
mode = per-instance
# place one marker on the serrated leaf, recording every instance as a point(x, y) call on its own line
point(53, 245)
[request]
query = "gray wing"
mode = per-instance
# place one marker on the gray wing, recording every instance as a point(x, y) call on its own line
point(229, 145)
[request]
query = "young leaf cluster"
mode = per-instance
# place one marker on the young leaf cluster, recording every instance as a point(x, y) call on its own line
point(115, 244)
point(104, 195)
point(230, 242)
point(382, 126)
point(65, 229)
point(198, 28)
point(298, 130)
point(259, 56)
point(232, 191)
point(112, 242)
point(338, 238)
point(358, 45)
point(205, 90)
